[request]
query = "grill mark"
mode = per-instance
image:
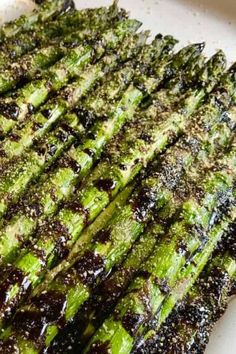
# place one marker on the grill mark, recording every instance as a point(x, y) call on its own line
point(103, 236)
point(33, 209)
point(54, 228)
point(60, 235)
point(89, 267)
point(68, 128)
point(146, 137)
point(8, 347)
point(20, 72)
point(3, 153)
point(64, 132)
point(131, 322)
point(40, 149)
point(105, 184)
point(216, 281)
point(29, 325)
point(15, 276)
point(14, 137)
point(123, 167)
point(76, 207)
point(62, 135)
point(89, 152)
point(86, 117)
point(143, 204)
point(163, 285)
point(13, 210)
point(50, 304)
point(36, 126)
point(107, 293)
point(69, 162)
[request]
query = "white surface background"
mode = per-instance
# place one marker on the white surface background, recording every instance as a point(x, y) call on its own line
point(213, 21)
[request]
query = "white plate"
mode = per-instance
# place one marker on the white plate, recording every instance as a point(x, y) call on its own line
point(213, 21)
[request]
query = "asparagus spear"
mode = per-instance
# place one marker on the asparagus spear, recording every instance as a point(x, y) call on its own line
point(175, 162)
point(34, 64)
point(34, 94)
point(33, 277)
point(81, 19)
point(187, 236)
point(42, 14)
point(187, 329)
point(100, 222)
point(54, 31)
point(17, 178)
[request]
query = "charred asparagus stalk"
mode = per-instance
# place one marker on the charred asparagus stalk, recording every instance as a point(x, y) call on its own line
point(29, 66)
point(98, 224)
point(79, 330)
point(187, 329)
point(42, 14)
point(80, 293)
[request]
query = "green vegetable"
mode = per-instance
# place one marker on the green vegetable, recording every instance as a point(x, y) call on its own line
point(21, 171)
point(71, 220)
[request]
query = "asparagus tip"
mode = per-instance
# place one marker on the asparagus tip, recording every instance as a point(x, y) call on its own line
point(200, 46)
point(219, 58)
